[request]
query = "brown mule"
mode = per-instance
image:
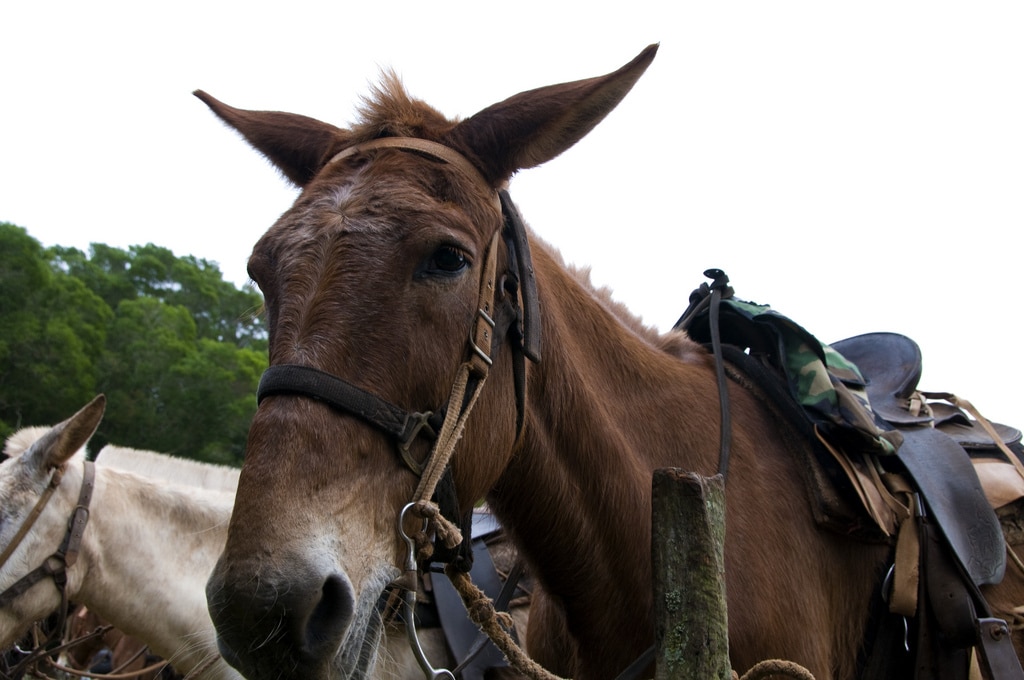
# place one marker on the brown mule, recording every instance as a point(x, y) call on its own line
point(374, 277)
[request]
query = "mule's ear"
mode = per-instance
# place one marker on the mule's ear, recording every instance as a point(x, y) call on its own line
point(297, 145)
point(64, 439)
point(533, 127)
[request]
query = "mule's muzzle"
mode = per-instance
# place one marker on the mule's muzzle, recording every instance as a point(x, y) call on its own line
point(289, 628)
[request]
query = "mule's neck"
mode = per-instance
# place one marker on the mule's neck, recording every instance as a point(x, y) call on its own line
point(603, 396)
point(577, 492)
point(147, 552)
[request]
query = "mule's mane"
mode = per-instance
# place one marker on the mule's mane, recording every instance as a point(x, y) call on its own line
point(170, 468)
point(675, 343)
point(604, 295)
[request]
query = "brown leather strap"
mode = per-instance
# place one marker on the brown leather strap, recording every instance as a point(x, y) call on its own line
point(33, 515)
point(483, 326)
point(435, 149)
point(55, 565)
point(519, 250)
point(403, 425)
point(996, 649)
point(48, 569)
point(907, 567)
point(80, 515)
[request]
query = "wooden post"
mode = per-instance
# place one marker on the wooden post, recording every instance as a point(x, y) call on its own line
point(688, 566)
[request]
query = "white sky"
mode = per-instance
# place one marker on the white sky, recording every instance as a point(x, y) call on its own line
point(858, 166)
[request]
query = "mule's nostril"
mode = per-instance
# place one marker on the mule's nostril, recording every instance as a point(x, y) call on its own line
point(291, 625)
point(331, 615)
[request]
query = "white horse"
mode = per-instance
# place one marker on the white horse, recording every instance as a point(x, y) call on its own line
point(156, 525)
point(147, 547)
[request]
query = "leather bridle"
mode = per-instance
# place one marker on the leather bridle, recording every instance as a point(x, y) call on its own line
point(493, 322)
point(499, 316)
point(54, 566)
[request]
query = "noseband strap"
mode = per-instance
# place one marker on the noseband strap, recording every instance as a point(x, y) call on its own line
point(342, 395)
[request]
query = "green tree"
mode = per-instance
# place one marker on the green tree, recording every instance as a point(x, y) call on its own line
point(220, 310)
point(53, 333)
point(177, 350)
point(146, 339)
point(214, 392)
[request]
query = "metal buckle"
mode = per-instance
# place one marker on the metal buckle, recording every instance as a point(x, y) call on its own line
point(414, 424)
point(479, 351)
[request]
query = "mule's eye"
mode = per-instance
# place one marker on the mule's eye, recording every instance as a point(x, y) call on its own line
point(448, 260)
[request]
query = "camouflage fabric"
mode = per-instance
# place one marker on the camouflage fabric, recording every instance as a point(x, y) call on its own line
point(828, 386)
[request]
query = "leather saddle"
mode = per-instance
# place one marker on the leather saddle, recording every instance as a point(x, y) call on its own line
point(962, 545)
point(893, 364)
point(887, 463)
point(935, 450)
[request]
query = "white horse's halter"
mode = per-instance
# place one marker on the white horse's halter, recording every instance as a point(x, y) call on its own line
point(55, 565)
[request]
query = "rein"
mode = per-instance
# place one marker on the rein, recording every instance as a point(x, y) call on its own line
point(118, 673)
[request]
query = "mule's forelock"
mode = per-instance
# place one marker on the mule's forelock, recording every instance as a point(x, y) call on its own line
point(389, 111)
